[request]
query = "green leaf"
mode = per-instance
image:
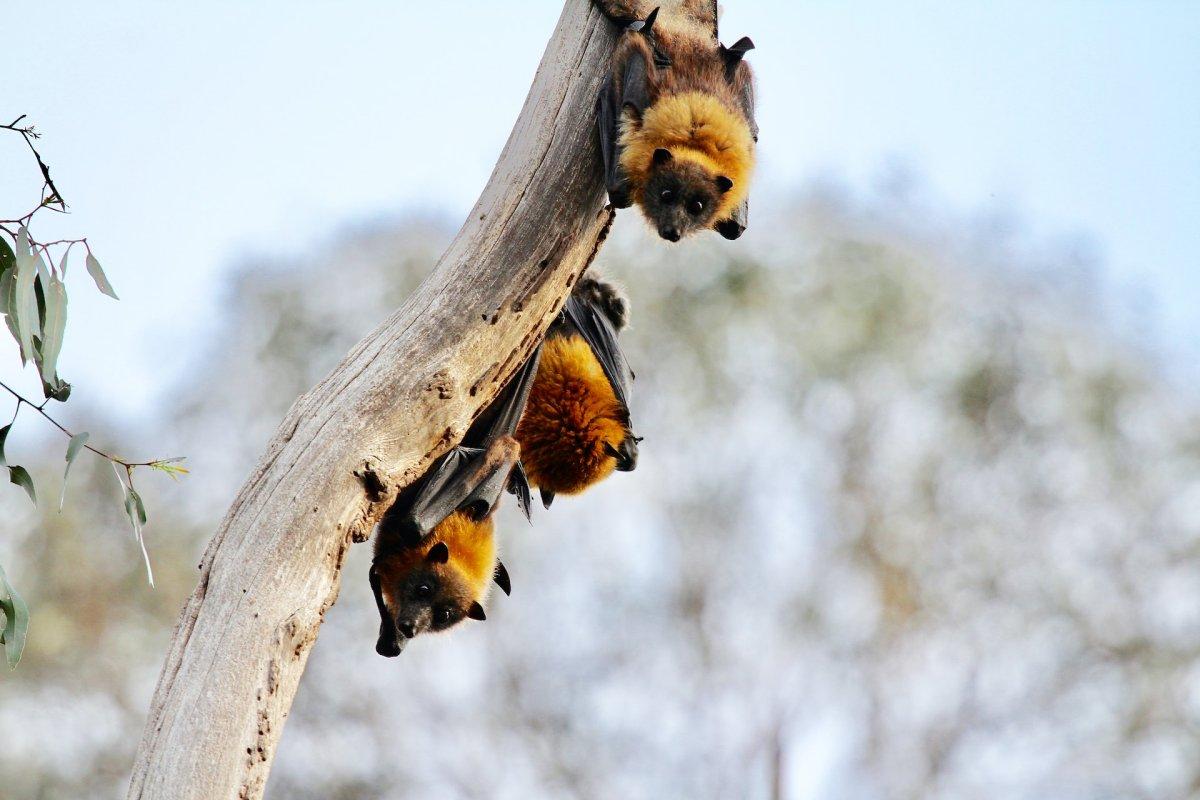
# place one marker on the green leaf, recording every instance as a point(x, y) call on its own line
point(3, 435)
point(54, 329)
point(140, 509)
point(39, 294)
point(93, 268)
point(7, 259)
point(23, 303)
point(137, 517)
point(56, 389)
point(7, 278)
point(39, 288)
point(8, 291)
point(74, 448)
point(170, 467)
point(20, 477)
point(8, 267)
point(16, 615)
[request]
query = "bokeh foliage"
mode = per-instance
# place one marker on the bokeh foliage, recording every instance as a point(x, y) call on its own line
point(912, 520)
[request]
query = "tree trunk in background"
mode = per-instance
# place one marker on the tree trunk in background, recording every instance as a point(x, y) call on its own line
point(401, 398)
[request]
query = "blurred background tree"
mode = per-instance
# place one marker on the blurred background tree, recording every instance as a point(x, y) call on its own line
point(914, 518)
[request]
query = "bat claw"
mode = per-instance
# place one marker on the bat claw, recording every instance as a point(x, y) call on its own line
point(620, 196)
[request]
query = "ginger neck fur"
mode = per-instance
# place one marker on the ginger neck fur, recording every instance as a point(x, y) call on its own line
point(696, 127)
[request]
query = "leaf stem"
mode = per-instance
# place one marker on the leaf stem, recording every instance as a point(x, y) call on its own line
point(128, 465)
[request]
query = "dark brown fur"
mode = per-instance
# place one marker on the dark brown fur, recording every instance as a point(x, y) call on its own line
point(680, 55)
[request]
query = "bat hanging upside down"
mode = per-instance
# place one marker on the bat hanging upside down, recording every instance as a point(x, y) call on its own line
point(561, 425)
point(676, 119)
point(575, 431)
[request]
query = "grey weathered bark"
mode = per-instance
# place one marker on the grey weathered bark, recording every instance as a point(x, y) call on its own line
point(402, 397)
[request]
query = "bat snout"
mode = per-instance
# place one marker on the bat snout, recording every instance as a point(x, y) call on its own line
point(626, 455)
point(389, 646)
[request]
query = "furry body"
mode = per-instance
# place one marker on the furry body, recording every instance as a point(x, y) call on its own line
point(572, 420)
point(683, 108)
point(575, 430)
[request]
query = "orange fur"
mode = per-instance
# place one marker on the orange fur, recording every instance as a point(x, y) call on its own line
point(472, 554)
point(571, 414)
point(695, 126)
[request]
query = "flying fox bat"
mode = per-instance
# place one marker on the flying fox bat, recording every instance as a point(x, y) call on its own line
point(565, 416)
point(676, 119)
point(576, 429)
point(435, 551)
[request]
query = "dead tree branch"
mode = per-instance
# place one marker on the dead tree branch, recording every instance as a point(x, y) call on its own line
point(403, 396)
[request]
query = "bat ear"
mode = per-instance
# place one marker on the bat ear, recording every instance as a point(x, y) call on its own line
point(438, 554)
point(388, 645)
point(547, 497)
point(501, 578)
point(653, 15)
point(737, 51)
point(476, 612)
point(644, 26)
point(723, 184)
point(662, 155)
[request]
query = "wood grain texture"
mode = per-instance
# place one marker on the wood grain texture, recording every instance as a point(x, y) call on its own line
point(401, 398)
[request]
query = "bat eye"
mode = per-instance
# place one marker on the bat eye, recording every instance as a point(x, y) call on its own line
point(695, 206)
point(423, 591)
point(443, 616)
point(667, 195)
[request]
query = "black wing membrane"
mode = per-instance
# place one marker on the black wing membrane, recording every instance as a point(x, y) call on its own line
point(739, 220)
point(608, 116)
point(631, 91)
point(598, 332)
point(471, 477)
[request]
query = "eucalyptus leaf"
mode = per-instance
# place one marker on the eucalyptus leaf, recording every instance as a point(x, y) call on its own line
point(3, 435)
point(8, 259)
point(20, 476)
point(54, 329)
point(8, 293)
point(56, 389)
point(8, 267)
point(137, 517)
point(74, 448)
point(138, 507)
point(16, 615)
point(7, 276)
point(93, 268)
point(39, 294)
point(23, 303)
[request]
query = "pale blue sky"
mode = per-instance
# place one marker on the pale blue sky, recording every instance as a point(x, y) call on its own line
point(188, 135)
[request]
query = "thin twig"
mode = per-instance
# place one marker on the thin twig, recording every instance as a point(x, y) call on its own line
point(128, 465)
point(28, 134)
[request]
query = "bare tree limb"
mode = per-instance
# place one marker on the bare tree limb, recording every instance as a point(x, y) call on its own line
point(403, 396)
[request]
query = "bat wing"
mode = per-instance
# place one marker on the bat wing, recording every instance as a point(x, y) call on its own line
point(739, 74)
point(600, 335)
point(472, 476)
point(629, 87)
point(635, 81)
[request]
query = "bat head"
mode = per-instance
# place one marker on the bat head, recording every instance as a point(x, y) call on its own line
point(680, 195)
point(415, 595)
